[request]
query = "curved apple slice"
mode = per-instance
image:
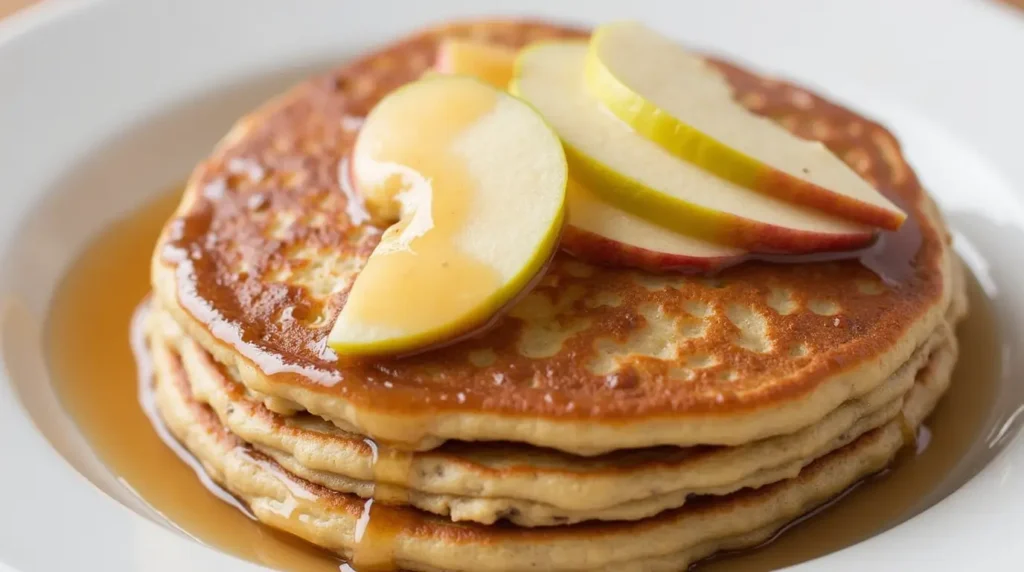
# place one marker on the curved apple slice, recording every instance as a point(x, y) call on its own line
point(607, 235)
point(489, 62)
point(677, 100)
point(639, 176)
point(474, 180)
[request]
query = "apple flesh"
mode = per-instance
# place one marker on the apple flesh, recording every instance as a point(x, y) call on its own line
point(639, 176)
point(595, 230)
point(488, 62)
point(606, 235)
point(677, 100)
point(474, 181)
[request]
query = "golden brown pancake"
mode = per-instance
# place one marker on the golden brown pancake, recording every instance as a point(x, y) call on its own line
point(611, 420)
point(529, 486)
point(265, 245)
point(415, 540)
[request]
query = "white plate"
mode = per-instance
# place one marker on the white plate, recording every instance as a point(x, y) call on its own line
point(80, 82)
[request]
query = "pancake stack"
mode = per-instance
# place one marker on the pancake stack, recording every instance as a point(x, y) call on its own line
point(613, 420)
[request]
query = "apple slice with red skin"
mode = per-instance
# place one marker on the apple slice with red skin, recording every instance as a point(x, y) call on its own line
point(606, 235)
point(639, 176)
point(679, 101)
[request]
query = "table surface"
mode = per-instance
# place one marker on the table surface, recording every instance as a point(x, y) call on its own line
point(9, 6)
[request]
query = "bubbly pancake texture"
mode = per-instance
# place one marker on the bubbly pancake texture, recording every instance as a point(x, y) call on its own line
point(485, 482)
point(669, 541)
point(258, 260)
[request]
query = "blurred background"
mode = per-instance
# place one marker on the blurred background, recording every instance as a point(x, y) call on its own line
point(10, 6)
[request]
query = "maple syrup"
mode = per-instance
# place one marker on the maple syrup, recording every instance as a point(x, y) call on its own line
point(91, 361)
point(378, 526)
point(391, 472)
point(413, 176)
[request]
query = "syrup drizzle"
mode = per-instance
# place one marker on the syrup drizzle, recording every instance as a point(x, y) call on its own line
point(392, 469)
point(380, 526)
point(355, 208)
point(147, 402)
point(890, 256)
point(378, 531)
point(184, 249)
point(412, 172)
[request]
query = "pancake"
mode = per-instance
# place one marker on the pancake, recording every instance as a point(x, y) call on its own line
point(258, 259)
point(528, 486)
point(415, 540)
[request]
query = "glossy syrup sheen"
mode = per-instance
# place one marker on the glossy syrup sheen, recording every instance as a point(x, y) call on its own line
point(96, 378)
point(410, 142)
point(378, 527)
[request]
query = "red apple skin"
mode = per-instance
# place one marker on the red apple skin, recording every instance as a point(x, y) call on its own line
point(798, 191)
point(719, 227)
point(765, 238)
point(603, 251)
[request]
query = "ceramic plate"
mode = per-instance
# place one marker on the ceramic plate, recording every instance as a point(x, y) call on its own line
point(83, 83)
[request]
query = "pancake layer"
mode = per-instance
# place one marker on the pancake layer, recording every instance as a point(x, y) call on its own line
point(613, 420)
point(485, 482)
point(416, 540)
point(257, 261)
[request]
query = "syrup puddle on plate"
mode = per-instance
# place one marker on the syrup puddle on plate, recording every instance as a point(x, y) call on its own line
point(91, 360)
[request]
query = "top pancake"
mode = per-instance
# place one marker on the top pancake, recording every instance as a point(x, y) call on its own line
point(257, 262)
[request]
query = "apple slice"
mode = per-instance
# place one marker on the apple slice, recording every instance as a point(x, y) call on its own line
point(639, 176)
point(595, 231)
point(606, 235)
point(474, 181)
point(488, 62)
point(677, 100)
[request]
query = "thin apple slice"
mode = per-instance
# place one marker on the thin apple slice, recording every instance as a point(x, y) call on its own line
point(607, 235)
point(679, 101)
point(474, 181)
point(595, 230)
point(491, 63)
point(639, 176)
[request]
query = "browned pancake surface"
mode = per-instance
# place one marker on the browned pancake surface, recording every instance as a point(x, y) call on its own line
point(265, 249)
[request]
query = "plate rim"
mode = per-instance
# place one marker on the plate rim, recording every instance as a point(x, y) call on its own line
point(889, 548)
